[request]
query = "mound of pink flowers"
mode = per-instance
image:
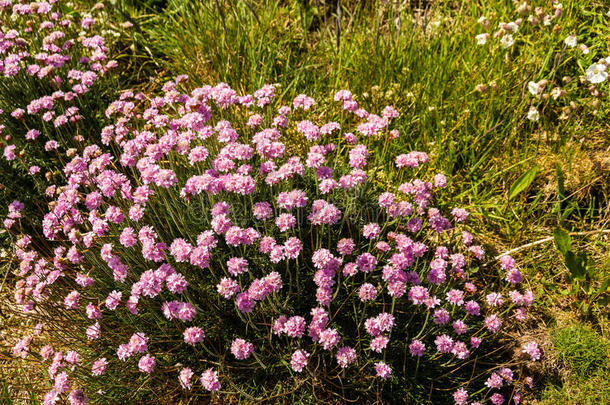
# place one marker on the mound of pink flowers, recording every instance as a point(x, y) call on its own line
point(214, 237)
point(49, 62)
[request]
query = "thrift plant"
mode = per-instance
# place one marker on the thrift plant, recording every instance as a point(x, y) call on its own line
point(55, 71)
point(231, 242)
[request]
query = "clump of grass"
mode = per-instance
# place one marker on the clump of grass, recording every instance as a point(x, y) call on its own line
point(582, 350)
point(593, 390)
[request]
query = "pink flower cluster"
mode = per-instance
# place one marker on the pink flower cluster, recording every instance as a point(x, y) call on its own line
point(270, 231)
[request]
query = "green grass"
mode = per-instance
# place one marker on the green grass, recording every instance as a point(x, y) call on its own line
point(591, 391)
point(581, 349)
point(584, 354)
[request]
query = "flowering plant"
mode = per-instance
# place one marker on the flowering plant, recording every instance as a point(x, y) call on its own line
point(55, 71)
point(234, 238)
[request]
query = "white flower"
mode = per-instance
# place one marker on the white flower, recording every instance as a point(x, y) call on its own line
point(596, 73)
point(570, 41)
point(534, 88)
point(511, 27)
point(584, 49)
point(507, 41)
point(556, 93)
point(482, 39)
point(533, 114)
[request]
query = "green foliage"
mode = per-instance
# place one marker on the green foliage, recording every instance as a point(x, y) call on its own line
point(593, 390)
point(523, 182)
point(588, 283)
point(581, 349)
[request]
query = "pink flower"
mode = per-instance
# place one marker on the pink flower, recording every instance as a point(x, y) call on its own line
point(262, 211)
point(346, 246)
point(304, 102)
point(459, 327)
point(371, 231)
point(507, 263)
point(93, 331)
point(329, 338)
point(459, 214)
point(379, 343)
point(244, 302)
point(93, 312)
point(493, 323)
point(443, 343)
point(324, 213)
point(285, 221)
point(366, 262)
point(494, 299)
point(345, 356)
point(294, 326)
point(77, 397)
point(193, 335)
point(309, 130)
point(440, 181)
point(99, 366)
point(367, 292)
point(241, 349)
point(113, 300)
point(227, 287)
point(181, 250)
point(71, 300)
point(138, 343)
point(209, 380)
point(147, 364)
point(472, 308)
point(299, 360)
point(237, 266)
point(185, 377)
point(455, 297)
point(411, 159)
point(531, 349)
point(292, 247)
point(475, 341)
point(383, 370)
point(417, 348)
point(497, 399)
point(32, 134)
point(441, 316)
point(9, 152)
